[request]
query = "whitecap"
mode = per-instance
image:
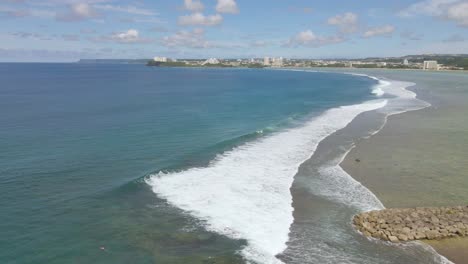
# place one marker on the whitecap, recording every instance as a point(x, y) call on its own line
point(245, 193)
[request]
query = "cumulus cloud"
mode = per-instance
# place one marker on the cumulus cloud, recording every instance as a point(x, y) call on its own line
point(458, 13)
point(126, 9)
point(193, 5)
point(347, 22)
point(129, 36)
point(126, 37)
point(78, 12)
point(379, 31)
point(227, 6)
point(452, 10)
point(310, 39)
point(188, 39)
point(196, 39)
point(200, 20)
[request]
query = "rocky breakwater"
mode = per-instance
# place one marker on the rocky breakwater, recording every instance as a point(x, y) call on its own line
point(398, 225)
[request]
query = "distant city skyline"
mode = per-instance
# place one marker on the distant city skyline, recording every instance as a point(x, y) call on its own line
point(68, 30)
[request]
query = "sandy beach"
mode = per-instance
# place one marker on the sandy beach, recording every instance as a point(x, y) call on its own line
point(419, 158)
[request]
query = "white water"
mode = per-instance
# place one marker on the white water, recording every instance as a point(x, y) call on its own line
point(338, 185)
point(245, 193)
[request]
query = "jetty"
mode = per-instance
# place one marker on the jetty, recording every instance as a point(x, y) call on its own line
point(407, 224)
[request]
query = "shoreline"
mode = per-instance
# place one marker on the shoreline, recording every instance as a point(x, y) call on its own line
point(324, 194)
point(450, 248)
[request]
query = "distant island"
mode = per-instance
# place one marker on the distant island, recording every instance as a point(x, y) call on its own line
point(424, 61)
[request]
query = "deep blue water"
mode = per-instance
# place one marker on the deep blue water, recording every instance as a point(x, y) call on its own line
point(76, 141)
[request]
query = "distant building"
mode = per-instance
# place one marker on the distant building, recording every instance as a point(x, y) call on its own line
point(381, 64)
point(277, 62)
point(430, 65)
point(160, 59)
point(266, 61)
point(211, 61)
point(405, 62)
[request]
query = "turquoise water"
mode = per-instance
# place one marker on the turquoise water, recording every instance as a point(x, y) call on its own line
point(78, 141)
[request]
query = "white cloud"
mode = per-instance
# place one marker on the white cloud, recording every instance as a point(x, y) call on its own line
point(126, 37)
point(227, 6)
point(458, 13)
point(200, 20)
point(196, 39)
point(379, 31)
point(453, 10)
point(193, 5)
point(347, 22)
point(188, 39)
point(427, 7)
point(77, 12)
point(308, 38)
point(126, 9)
point(129, 36)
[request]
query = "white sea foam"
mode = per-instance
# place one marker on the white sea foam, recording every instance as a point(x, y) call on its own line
point(378, 89)
point(245, 193)
point(338, 185)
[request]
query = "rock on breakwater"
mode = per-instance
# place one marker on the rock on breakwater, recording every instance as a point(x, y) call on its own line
point(397, 225)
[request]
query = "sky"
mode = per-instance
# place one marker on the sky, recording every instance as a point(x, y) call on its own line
point(69, 30)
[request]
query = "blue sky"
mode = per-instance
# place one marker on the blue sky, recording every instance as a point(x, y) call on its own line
point(67, 30)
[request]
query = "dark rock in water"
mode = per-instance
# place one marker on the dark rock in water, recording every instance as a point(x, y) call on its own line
point(398, 225)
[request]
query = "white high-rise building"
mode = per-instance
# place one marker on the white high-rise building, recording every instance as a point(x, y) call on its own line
point(211, 61)
point(277, 62)
point(405, 62)
point(266, 61)
point(430, 65)
point(160, 59)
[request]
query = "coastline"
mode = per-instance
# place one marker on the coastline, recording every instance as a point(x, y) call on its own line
point(372, 162)
point(327, 196)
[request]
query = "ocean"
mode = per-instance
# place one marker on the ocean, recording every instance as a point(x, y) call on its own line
point(133, 164)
